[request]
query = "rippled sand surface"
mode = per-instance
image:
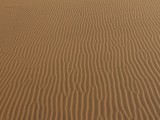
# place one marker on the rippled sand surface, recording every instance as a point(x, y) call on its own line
point(79, 60)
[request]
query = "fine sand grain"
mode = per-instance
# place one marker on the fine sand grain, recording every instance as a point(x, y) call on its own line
point(79, 59)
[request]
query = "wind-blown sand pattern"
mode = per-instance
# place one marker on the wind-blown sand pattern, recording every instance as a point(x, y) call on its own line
point(80, 60)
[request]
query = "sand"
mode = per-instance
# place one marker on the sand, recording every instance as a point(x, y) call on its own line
point(80, 60)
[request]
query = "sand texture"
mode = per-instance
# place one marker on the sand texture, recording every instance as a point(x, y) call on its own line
point(79, 59)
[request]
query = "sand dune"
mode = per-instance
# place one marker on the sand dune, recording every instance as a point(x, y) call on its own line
point(80, 60)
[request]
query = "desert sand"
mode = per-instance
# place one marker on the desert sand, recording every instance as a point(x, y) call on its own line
point(79, 60)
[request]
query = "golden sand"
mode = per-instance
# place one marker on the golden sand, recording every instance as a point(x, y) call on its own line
point(80, 60)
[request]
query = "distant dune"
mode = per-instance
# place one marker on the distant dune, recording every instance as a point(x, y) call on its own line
point(80, 60)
